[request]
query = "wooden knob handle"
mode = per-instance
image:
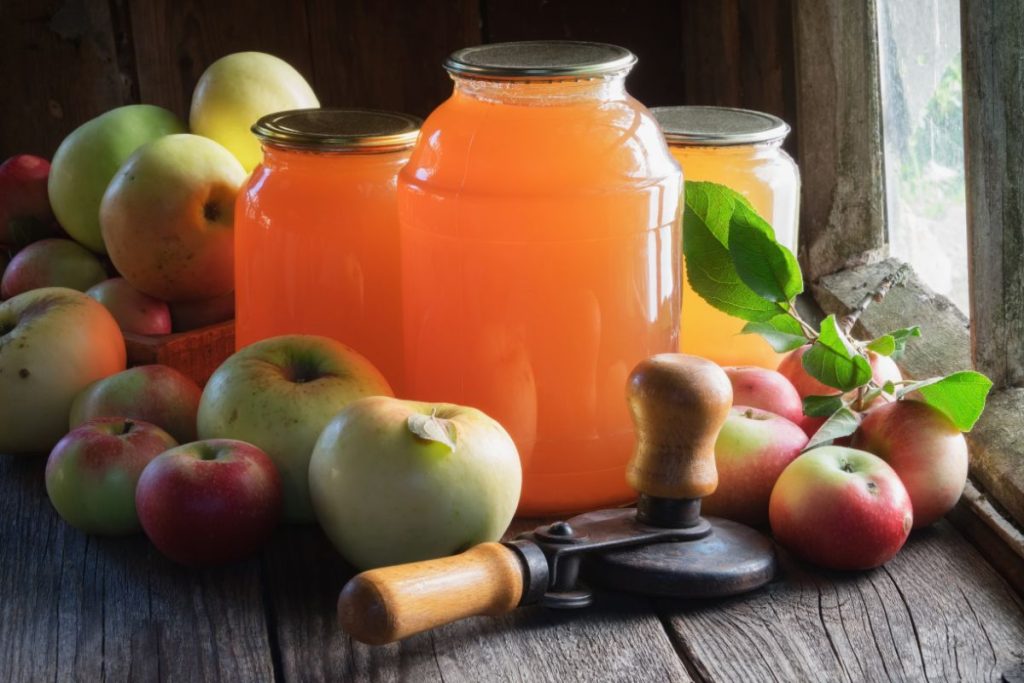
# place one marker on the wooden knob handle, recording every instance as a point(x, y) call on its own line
point(384, 605)
point(679, 404)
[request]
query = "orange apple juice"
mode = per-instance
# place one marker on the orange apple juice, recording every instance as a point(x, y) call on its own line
point(540, 257)
point(742, 150)
point(316, 234)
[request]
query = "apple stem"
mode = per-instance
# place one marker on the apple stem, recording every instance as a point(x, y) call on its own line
point(876, 295)
point(128, 424)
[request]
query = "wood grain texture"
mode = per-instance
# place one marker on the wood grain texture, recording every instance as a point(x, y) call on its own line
point(842, 213)
point(996, 537)
point(619, 640)
point(993, 90)
point(59, 67)
point(196, 353)
point(76, 607)
point(935, 612)
point(387, 54)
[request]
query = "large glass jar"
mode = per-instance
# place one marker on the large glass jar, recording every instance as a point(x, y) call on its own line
point(541, 258)
point(743, 150)
point(316, 232)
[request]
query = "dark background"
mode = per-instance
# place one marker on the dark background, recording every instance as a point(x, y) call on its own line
point(65, 61)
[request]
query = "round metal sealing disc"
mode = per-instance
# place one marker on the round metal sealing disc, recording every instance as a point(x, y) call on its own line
point(732, 559)
point(540, 60)
point(718, 126)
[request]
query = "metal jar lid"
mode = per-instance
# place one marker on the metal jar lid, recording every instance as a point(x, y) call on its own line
point(718, 126)
point(540, 60)
point(338, 130)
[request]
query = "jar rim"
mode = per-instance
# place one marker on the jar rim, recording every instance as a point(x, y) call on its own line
point(338, 130)
point(539, 60)
point(703, 126)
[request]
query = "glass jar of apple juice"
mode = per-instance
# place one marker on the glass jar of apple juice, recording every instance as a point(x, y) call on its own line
point(541, 258)
point(741, 149)
point(316, 232)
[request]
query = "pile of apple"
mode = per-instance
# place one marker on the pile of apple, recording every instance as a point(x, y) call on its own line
point(838, 506)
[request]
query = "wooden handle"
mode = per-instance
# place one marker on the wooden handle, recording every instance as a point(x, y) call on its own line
point(384, 605)
point(679, 404)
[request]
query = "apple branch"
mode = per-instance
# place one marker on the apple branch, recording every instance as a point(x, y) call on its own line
point(894, 278)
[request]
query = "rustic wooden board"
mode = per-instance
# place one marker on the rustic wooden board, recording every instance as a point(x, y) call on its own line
point(937, 611)
point(74, 607)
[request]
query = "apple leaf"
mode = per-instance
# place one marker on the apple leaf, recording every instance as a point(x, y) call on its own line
point(833, 361)
point(782, 332)
point(842, 423)
point(822, 406)
point(764, 265)
point(901, 337)
point(432, 428)
point(960, 396)
point(884, 345)
point(709, 266)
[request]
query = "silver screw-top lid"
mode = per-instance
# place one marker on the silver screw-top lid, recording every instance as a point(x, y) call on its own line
point(540, 60)
point(338, 130)
point(718, 126)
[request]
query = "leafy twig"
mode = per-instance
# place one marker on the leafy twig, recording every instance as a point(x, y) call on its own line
point(894, 278)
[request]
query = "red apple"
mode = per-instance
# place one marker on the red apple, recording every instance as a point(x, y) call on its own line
point(209, 502)
point(25, 214)
point(52, 263)
point(925, 448)
point(840, 508)
point(752, 450)
point(191, 315)
point(154, 393)
point(134, 311)
point(92, 472)
point(883, 369)
point(765, 389)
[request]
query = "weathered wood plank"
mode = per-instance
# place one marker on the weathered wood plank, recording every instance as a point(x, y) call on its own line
point(935, 612)
point(842, 213)
point(993, 91)
point(59, 68)
point(74, 607)
point(996, 537)
point(387, 54)
point(619, 639)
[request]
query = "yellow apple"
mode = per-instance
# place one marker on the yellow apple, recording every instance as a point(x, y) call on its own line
point(236, 91)
point(168, 218)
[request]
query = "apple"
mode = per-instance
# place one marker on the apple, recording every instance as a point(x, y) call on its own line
point(92, 472)
point(236, 91)
point(88, 159)
point(765, 389)
point(209, 502)
point(925, 448)
point(168, 215)
point(883, 369)
point(191, 315)
point(154, 393)
point(53, 343)
point(52, 262)
point(134, 311)
point(25, 213)
point(279, 394)
point(397, 481)
point(752, 449)
point(840, 508)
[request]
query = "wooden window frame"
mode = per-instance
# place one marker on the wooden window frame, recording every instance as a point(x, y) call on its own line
point(843, 244)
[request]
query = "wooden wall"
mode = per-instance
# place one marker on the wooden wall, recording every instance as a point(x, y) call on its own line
point(64, 61)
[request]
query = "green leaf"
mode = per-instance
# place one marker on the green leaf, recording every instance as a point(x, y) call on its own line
point(960, 396)
point(432, 428)
point(782, 332)
point(833, 361)
point(822, 406)
point(901, 337)
point(764, 265)
point(884, 345)
point(709, 267)
point(842, 423)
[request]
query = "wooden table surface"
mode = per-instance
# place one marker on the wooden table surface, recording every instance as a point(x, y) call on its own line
point(74, 607)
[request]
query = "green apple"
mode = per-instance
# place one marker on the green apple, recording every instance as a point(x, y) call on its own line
point(236, 91)
point(53, 343)
point(168, 218)
point(52, 262)
point(278, 394)
point(397, 481)
point(90, 156)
